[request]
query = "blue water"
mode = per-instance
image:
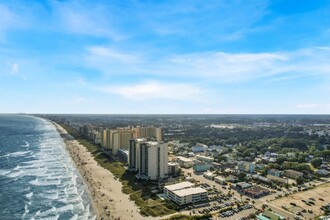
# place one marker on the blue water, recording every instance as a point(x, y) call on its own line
point(37, 177)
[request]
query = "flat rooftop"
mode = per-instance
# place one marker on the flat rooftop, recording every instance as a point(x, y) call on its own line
point(152, 143)
point(189, 191)
point(220, 178)
point(205, 157)
point(123, 150)
point(140, 139)
point(185, 159)
point(179, 186)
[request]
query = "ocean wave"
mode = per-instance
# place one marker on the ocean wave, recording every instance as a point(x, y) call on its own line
point(51, 196)
point(27, 144)
point(52, 178)
point(4, 172)
point(88, 214)
point(29, 195)
point(51, 211)
point(37, 182)
point(68, 207)
point(26, 211)
point(56, 217)
point(16, 154)
point(15, 174)
point(75, 217)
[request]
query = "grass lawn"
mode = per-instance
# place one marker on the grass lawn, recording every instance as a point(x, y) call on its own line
point(140, 193)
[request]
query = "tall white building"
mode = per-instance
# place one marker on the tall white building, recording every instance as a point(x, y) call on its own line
point(148, 158)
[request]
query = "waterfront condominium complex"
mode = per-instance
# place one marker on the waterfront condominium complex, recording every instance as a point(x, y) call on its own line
point(148, 158)
point(115, 139)
point(148, 132)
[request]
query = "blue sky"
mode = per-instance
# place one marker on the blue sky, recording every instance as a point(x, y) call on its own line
point(175, 56)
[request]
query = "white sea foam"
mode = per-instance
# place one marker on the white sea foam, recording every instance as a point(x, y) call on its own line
point(52, 196)
point(29, 195)
point(4, 172)
point(56, 217)
point(26, 211)
point(17, 167)
point(16, 154)
point(37, 182)
point(26, 144)
point(15, 174)
point(87, 213)
point(50, 211)
point(68, 207)
point(75, 217)
point(79, 207)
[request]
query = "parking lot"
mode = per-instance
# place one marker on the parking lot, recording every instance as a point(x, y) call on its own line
point(222, 200)
point(234, 211)
point(227, 210)
point(306, 203)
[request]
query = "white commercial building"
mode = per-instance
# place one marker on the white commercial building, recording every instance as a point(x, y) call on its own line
point(204, 158)
point(185, 162)
point(149, 159)
point(184, 193)
point(220, 180)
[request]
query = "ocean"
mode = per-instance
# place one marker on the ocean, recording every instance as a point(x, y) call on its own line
point(38, 179)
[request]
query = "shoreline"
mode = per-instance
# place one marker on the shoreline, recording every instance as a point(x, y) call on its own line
point(108, 200)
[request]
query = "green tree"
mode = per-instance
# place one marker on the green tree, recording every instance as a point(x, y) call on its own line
point(299, 180)
point(316, 162)
point(325, 154)
point(241, 176)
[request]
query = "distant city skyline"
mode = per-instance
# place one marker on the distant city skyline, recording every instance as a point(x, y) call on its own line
point(165, 57)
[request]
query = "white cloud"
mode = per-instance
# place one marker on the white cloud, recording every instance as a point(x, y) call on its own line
point(87, 19)
point(14, 69)
point(8, 68)
point(216, 66)
point(108, 54)
point(227, 67)
point(156, 90)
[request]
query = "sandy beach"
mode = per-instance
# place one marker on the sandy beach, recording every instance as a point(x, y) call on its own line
point(109, 201)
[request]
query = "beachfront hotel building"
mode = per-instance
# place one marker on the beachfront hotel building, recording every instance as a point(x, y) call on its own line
point(148, 158)
point(184, 193)
point(115, 139)
point(103, 137)
point(121, 138)
point(149, 133)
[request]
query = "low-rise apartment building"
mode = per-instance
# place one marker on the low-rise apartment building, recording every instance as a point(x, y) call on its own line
point(184, 193)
